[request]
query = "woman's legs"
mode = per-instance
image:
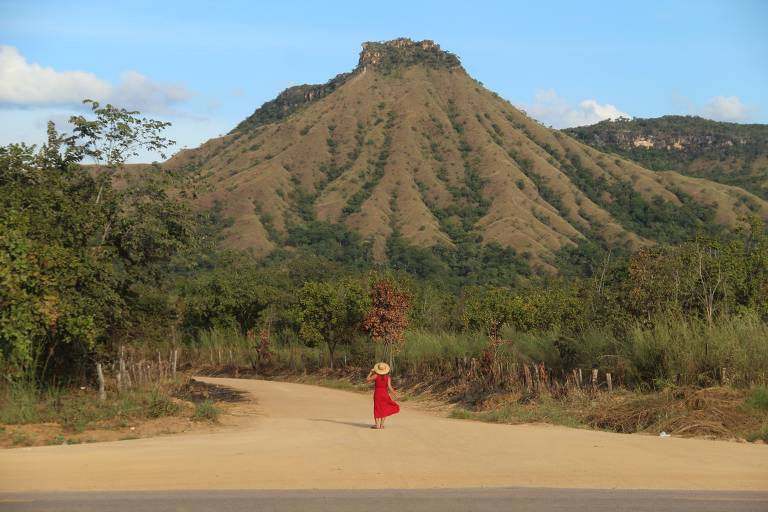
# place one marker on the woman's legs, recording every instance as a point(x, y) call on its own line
point(379, 422)
point(382, 423)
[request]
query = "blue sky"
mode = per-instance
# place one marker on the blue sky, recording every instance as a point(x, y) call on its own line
point(204, 66)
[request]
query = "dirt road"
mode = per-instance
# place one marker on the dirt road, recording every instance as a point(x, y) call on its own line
point(306, 437)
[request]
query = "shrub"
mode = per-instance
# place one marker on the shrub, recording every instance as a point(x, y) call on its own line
point(159, 404)
point(758, 398)
point(206, 411)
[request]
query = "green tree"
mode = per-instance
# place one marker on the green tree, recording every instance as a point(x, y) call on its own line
point(69, 284)
point(236, 294)
point(331, 312)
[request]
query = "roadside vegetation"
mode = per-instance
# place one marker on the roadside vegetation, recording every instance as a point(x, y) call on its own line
point(111, 289)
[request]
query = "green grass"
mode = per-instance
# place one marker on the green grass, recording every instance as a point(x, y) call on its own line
point(206, 411)
point(159, 404)
point(77, 410)
point(696, 352)
point(757, 398)
point(759, 435)
point(421, 345)
point(21, 439)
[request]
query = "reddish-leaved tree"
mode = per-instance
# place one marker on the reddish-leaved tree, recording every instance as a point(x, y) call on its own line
point(387, 319)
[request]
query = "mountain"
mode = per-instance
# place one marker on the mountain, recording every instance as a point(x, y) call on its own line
point(408, 148)
point(729, 153)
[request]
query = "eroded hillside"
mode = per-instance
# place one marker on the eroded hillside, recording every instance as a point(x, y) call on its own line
point(409, 144)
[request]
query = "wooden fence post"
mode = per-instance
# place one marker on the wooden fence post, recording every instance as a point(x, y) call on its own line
point(102, 390)
point(122, 381)
point(608, 381)
point(594, 379)
point(175, 359)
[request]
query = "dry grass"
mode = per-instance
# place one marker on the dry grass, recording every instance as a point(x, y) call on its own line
point(714, 412)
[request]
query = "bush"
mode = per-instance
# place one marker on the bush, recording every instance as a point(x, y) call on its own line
point(159, 404)
point(758, 398)
point(206, 411)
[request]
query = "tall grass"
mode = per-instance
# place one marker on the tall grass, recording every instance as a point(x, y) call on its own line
point(221, 347)
point(690, 352)
point(733, 351)
point(425, 346)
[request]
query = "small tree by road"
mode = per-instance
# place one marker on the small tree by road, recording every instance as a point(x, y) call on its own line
point(331, 312)
point(387, 319)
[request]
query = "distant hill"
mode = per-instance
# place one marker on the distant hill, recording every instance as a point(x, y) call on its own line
point(408, 150)
point(729, 153)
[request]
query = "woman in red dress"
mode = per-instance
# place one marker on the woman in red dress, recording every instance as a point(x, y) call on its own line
point(383, 405)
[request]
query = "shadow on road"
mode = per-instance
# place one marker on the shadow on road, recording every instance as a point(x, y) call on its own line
point(350, 423)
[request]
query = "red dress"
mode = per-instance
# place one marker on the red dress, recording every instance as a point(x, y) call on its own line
point(383, 405)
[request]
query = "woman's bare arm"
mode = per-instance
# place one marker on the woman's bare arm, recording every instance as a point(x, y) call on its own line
point(391, 389)
point(370, 377)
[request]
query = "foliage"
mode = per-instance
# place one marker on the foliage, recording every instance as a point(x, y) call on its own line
point(387, 319)
point(236, 294)
point(657, 219)
point(51, 297)
point(115, 135)
point(331, 312)
point(81, 260)
point(468, 263)
point(491, 309)
point(334, 242)
point(728, 153)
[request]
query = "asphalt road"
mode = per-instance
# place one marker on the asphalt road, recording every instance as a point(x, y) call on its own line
point(443, 500)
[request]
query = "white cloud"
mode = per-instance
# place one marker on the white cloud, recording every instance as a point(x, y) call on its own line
point(727, 108)
point(25, 84)
point(553, 110)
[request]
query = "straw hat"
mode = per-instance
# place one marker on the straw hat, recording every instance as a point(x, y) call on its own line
point(381, 368)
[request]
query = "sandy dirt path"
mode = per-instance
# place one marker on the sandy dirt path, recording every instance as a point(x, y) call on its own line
point(307, 437)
